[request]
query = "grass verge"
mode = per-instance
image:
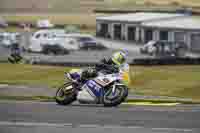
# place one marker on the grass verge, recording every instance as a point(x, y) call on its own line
point(78, 19)
point(158, 101)
point(91, 31)
point(69, 18)
point(177, 81)
point(28, 98)
point(16, 74)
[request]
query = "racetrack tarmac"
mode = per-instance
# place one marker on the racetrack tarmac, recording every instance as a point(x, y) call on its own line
point(38, 117)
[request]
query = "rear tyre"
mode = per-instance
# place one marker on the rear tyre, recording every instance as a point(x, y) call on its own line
point(120, 96)
point(46, 50)
point(65, 94)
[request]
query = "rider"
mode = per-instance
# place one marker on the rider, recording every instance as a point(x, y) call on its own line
point(15, 55)
point(112, 65)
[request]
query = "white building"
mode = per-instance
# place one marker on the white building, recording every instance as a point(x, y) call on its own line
point(185, 29)
point(143, 27)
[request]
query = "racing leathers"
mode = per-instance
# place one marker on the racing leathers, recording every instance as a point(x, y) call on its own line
point(105, 66)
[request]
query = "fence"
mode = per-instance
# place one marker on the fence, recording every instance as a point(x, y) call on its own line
point(145, 62)
point(167, 61)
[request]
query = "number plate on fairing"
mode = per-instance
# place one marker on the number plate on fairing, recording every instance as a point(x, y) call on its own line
point(103, 81)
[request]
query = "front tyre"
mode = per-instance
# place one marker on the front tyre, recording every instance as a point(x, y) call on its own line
point(120, 95)
point(65, 94)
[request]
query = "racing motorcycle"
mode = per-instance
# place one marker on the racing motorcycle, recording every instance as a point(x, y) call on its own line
point(107, 89)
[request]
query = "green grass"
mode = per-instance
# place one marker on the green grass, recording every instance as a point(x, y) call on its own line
point(68, 18)
point(50, 5)
point(17, 29)
point(83, 14)
point(180, 81)
point(87, 6)
point(80, 19)
point(32, 75)
point(157, 2)
point(27, 98)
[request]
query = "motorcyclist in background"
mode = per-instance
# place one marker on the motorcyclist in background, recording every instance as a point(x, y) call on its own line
point(108, 66)
point(15, 55)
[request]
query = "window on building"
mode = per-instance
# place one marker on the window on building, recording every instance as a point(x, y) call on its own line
point(148, 35)
point(131, 33)
point(164, 35)
point(104, 30)
point(37, 36)
point(117, 31)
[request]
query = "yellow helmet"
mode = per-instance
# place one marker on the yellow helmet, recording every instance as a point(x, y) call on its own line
point(119, 57)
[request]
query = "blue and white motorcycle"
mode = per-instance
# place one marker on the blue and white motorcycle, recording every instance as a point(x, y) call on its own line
point(107, 89)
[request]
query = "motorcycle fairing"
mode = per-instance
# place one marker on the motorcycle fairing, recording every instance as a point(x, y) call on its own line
point(94, 87)
point(107, 79)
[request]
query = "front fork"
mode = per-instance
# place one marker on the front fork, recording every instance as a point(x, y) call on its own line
point(113, 89)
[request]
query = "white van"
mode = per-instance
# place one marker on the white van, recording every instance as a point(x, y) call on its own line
point(86, 41)
point(51, 37)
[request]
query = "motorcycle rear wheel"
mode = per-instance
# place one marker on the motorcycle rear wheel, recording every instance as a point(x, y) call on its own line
point(122, 93)
point(65, 94)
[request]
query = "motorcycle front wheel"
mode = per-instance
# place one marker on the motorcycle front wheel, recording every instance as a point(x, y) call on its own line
point(65, 94)
point(120, 95)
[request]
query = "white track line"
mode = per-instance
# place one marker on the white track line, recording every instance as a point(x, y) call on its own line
point(10, 123)
point(172, 129)
point(151, 104)
point(3, 85)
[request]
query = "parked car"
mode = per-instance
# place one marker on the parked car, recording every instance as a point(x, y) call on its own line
point(165, 48)
point(44, 24)
point(3, 23)
point(7, 38)
point(50, 38)
point(148, 48)
point(54, 49)
point(86, 42)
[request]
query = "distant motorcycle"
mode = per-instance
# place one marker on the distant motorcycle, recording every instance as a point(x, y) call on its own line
point(106, 89)
point(15, 56)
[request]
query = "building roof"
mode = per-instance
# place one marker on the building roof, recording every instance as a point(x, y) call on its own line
point(178, 23)
point(139, 17)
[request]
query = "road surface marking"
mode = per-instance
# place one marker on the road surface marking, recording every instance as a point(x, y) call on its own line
point(150, 103)
point(173, 129)
point(88, 126)
point(12, 123)
point(4, 85)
